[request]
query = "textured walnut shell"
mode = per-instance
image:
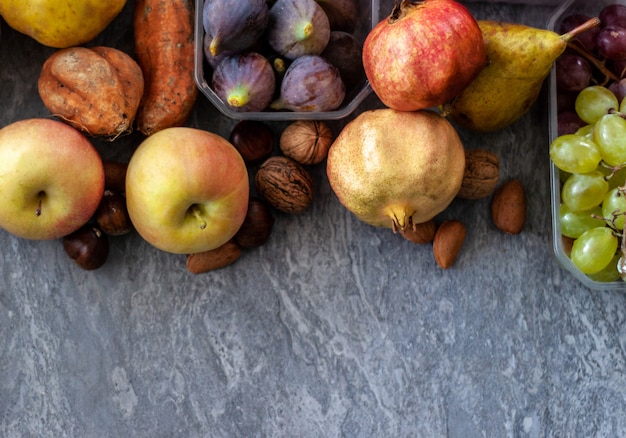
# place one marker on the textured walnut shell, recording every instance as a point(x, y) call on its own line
point(96, 90)
point(306, 141)
point(284, 184)
point(482, 172)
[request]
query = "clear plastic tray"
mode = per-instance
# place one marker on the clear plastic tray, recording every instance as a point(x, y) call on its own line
point(369, 10)
point(591, 8)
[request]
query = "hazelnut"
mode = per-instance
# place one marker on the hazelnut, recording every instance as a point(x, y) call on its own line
point(306, 141)
point(284, 184)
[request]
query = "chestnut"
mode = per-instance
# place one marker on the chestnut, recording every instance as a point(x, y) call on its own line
point(112, 215)
point(88, 247)
point(253, 139)
point(115, 175)
point(257, 225)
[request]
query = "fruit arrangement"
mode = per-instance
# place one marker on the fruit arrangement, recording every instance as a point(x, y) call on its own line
point(587, 152)
point(191, 192)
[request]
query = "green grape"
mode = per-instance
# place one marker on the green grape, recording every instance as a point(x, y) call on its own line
point(618, 179)
point(595, 101)
point(594, 249)
point(573, 224)
point(563, 175)
point(585, 131)
point(584, 191)
point(609, 133)
point(621, 267)
point(609, 273)
point(574, 153)
point(614, 205)
point(615, 179)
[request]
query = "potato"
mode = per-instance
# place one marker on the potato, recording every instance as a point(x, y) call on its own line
point(97, 90)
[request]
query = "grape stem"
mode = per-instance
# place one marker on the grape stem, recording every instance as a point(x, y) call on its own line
point(600, 65)
point(614, 169)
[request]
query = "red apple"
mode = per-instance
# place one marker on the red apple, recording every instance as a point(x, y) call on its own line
point(186, 190)
point(51, 179)
point(424, 54)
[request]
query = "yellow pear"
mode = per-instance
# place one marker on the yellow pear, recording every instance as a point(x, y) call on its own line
point(519, 58)
point(60, 23)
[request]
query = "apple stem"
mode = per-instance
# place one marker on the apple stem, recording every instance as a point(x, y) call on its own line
point(198, 214)
point(38, 209)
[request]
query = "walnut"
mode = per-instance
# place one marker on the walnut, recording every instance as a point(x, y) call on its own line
point(284, 184)
point(481, 174)
point(306, 141)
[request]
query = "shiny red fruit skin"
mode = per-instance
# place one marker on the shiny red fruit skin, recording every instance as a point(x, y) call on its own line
point(424, 54)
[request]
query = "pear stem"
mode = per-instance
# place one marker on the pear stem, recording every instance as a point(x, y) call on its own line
point(195, 210)
point(591, 23)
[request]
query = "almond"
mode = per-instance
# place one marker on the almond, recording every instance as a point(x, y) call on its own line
point(508, 207)
point(217, 258)
point(482, 171)
point(419, 233)
point(448, 242)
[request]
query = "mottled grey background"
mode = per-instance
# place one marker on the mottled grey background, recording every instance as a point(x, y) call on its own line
point(334, 328)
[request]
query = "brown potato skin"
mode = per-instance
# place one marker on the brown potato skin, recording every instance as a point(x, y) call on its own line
point(97, 90)
point(164, 46)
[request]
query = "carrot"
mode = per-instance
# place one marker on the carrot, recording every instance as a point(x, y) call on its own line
point(164, 46)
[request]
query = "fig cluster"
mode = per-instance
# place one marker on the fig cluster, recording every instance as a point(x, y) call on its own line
point(284, 55)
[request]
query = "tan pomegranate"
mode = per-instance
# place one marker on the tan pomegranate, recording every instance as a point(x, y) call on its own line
point(387, 166)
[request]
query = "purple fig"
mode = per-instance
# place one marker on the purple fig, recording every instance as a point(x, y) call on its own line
point(344, 52)
point(297, 28)
point(233, 25)
point(311, 83)
point(212, 60)
point(342, 14)
point(245, 82)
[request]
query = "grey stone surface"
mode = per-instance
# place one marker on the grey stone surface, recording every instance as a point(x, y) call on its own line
point(334, 328)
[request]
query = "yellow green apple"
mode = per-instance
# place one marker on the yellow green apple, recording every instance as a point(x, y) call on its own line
point(60, 23)
point(51, 179)
point(186, 190)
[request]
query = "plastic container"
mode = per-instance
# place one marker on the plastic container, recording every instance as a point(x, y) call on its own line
point(369, 17)
point(568, 7)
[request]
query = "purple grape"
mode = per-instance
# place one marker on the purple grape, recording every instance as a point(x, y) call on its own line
point(613, 15)
point(565, 100)
point(586, 38)
point(569, 122)
point(611, 42)
point(573, 72)
point(619, 89)
point(618, 67)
